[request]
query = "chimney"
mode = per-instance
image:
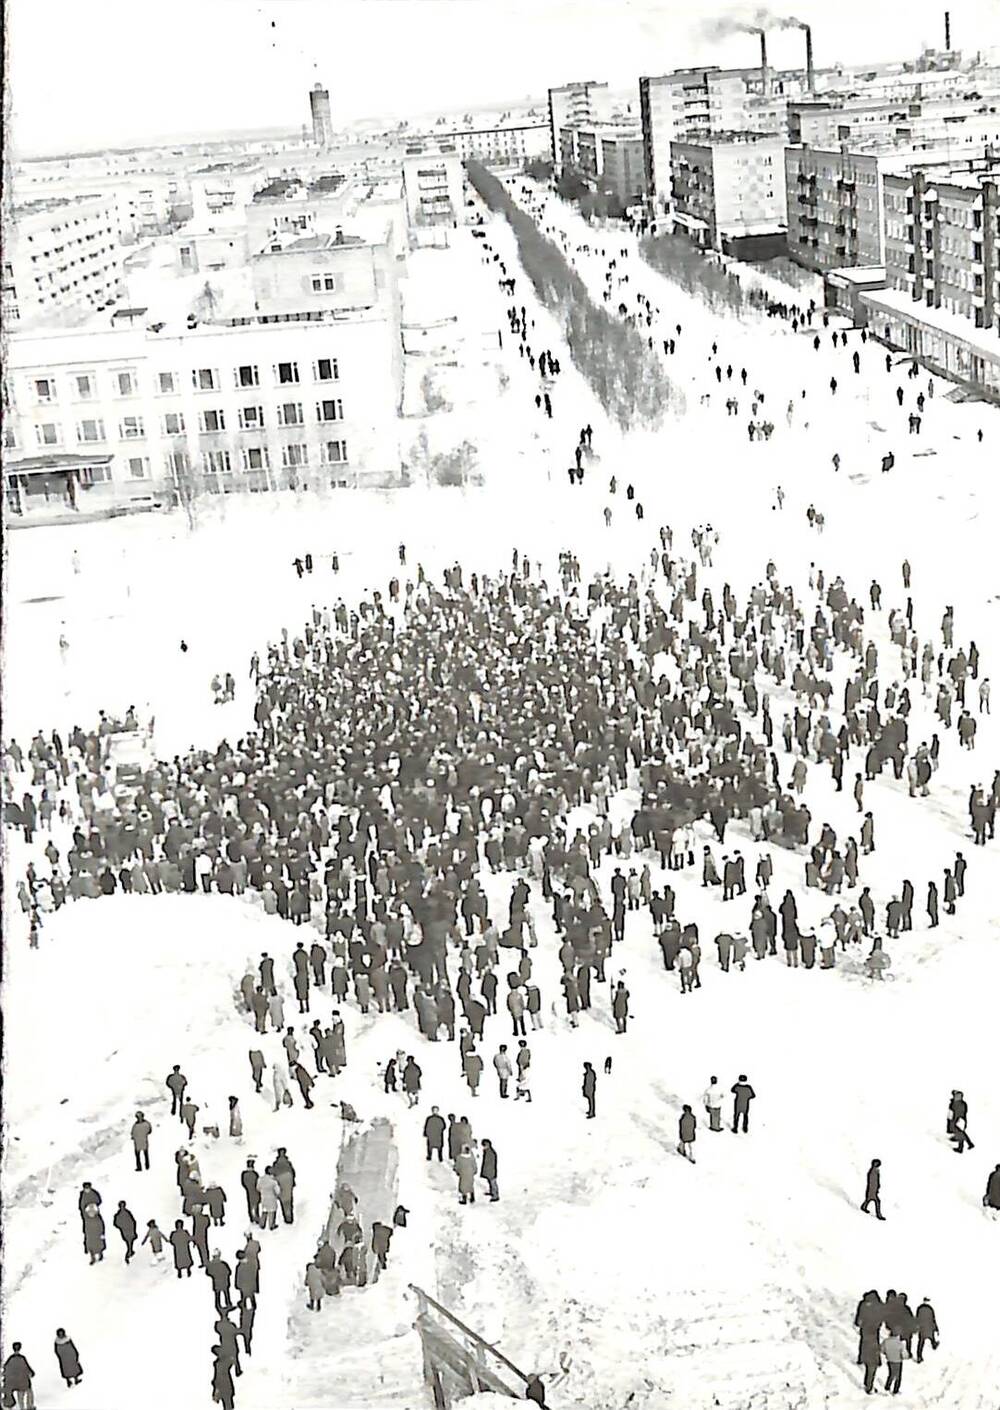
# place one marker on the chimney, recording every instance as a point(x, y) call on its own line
point(947, 31)
point(765, 77)
point(810, 70)
point(338, 238)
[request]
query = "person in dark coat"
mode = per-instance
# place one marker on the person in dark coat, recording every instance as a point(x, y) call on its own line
point(488, 1170)
point(535, 1391)
point(68, 1358)
point(227, 1335)
point(743, 1095)
point(88, 1195)
point(220, 1274)
point(873, 1185)
point(868, 1319)
point(590, 1089)
point(181, 1241)
point(124, 1222)
point(927, 1328)
point(140, 1134)
point(223, 1390)
point(434, 1128)
point(17, 1378)
point(249, 1182)
point(991, 1199)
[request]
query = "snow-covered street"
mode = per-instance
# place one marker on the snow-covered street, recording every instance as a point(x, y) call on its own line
point(620, 1272)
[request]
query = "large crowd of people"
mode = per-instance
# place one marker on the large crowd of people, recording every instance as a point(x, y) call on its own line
point(612, 746)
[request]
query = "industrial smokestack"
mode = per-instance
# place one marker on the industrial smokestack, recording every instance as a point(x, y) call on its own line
point(765, 76)
point(947, 31)
point(810, 70)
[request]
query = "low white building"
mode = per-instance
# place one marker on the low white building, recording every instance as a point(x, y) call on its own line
point(300, 388)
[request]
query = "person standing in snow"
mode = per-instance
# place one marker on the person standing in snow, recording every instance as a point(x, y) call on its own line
point(873, 1185)
point(465, 1169)
point(619, 1007)
point(590, 1089)
point(176, 1082)
point(712, 1101)
point(268, 1192)
point(743, 1095)
point(93, 1233)
point(154, 1237)
point(991, 1199)
point(140, 1133)
point(181, 1241)
point(488, 1170)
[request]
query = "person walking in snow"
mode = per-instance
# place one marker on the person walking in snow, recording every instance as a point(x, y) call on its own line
point(687, 1127)
point(176, 1082)
point(124, 1222)
point(154, 1237)
point(181, 1241)
point(93, 1233)
point(68, 1358)
point(743, 1095)
point(619, 1007)
point(894, 1350)
point(17, 1378)
point(927, 1328)
point(991, 1199)
point(873, 1186)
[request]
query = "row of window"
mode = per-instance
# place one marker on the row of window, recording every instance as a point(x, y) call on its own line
point(210, 422)
point(83, 385)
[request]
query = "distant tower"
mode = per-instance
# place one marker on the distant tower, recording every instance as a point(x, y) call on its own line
point(319, 103)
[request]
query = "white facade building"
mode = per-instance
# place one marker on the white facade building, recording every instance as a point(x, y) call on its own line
point(62, 261)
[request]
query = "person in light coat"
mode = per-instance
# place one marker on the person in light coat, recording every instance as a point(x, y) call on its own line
point(279, 1078)
point(504, 1069)
point(712, 1101)
point(269, 1193)
point(465, 1169)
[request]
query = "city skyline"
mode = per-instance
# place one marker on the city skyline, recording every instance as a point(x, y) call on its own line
point(252, 65)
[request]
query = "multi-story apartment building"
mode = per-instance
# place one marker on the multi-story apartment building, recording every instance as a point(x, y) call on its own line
point(62, 261)
point(303, 388)
point(608, 154)
point(586, 102)
point(689, 104)
point(942, 265)
point(961, 123)
point(835, 202)
point(433, 188)
point(729, 191)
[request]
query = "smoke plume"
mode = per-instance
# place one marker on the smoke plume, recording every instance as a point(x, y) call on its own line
point(756, 20)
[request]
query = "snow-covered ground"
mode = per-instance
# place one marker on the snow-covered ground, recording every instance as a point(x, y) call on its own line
point(620, 1272)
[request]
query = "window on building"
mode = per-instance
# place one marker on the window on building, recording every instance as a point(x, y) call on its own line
point(290, 414)
point(125, 382)
point(294, 455)
point(95, 475)
point(326, 370)
point(166, 382)
point(217, 462)
point(212, 421)
point(47, 433)
point(88, 431)
point(256, 458)
point(132, 428)
point(173, 424)
point(45, 389)
point(251, 418)
point(286, 372)
point(83, 384)
point(138, 467)
point(247, 376)
point(330, 410)
point(205, 379)
point(336, 452)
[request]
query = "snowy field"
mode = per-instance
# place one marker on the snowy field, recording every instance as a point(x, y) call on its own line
point(624, 1275)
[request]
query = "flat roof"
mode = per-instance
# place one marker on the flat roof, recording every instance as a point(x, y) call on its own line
point(897, 301)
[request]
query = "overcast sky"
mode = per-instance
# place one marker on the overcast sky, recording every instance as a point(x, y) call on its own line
point(125, 72)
